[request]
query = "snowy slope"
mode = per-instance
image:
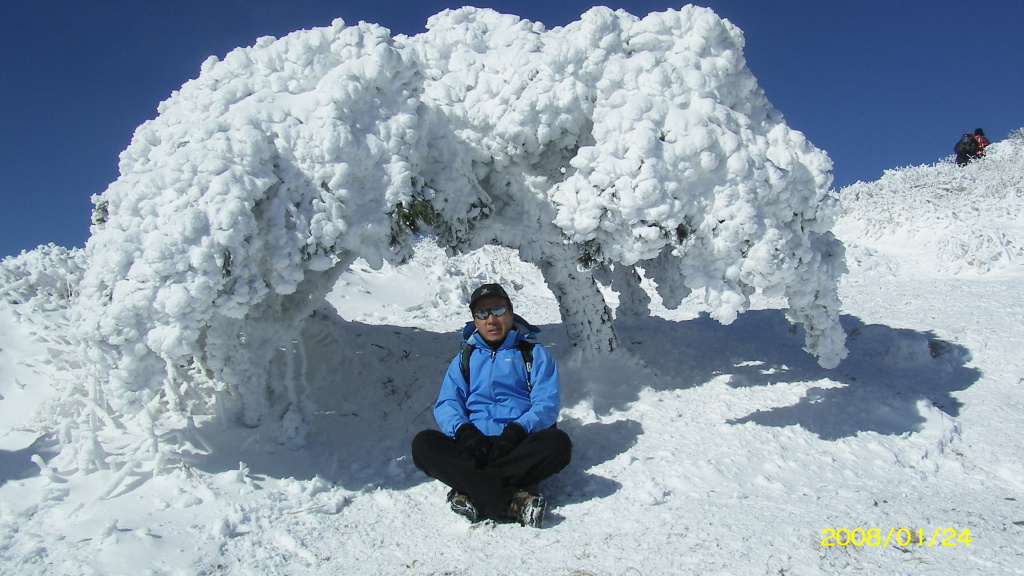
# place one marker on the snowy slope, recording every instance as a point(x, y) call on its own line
point(942, 218)
point(700, 449)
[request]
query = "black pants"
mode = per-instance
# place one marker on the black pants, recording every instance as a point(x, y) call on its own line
point(491, 487)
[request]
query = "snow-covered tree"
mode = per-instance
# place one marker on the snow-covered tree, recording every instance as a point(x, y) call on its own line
point(623, 147)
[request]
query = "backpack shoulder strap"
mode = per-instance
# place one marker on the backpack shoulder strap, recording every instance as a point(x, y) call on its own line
point(467, 350)
point(526, 349)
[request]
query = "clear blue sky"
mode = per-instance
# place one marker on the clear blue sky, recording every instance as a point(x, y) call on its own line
point(877, 83)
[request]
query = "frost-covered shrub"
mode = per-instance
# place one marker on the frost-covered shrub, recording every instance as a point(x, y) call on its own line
point(45, 279)
point(965, 218)
point(612, 145)
point(40, 287)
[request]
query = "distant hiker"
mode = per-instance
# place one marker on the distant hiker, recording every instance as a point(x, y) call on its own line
point(496, 411)
point(979, 137)
point(970, 146)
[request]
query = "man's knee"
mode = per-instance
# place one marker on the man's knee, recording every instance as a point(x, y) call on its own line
point(425, 437)
point(555, 437)
point(555, 443)
point(424, 444)
point(563, 446)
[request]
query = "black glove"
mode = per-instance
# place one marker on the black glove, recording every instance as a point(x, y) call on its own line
point(473, 442)
point(510, 437)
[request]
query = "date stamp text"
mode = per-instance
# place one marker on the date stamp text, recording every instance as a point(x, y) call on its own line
point(895, 537)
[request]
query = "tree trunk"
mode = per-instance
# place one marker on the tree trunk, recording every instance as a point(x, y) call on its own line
point(634, 302)
point(587, 319)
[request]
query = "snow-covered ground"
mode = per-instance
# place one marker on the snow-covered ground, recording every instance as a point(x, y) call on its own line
point(699, 449)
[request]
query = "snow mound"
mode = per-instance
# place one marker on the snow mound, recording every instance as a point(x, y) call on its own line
point(945, 218)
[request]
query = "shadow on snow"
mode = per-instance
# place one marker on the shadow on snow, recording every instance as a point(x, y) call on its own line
point(876, 388)
point(373, 387)
point(17, 464)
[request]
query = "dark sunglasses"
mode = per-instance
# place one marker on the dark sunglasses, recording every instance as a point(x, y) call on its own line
point(483, 313)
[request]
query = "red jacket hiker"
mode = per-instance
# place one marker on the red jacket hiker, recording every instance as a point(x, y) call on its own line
point(979, 137)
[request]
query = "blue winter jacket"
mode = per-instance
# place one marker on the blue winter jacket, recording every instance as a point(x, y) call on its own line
point(496, 393)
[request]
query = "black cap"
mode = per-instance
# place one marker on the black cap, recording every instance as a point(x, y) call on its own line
point(979, 131)
point(488, 290)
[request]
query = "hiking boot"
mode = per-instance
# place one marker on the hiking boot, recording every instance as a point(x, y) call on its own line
point(527, 509)
point(462, 505)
